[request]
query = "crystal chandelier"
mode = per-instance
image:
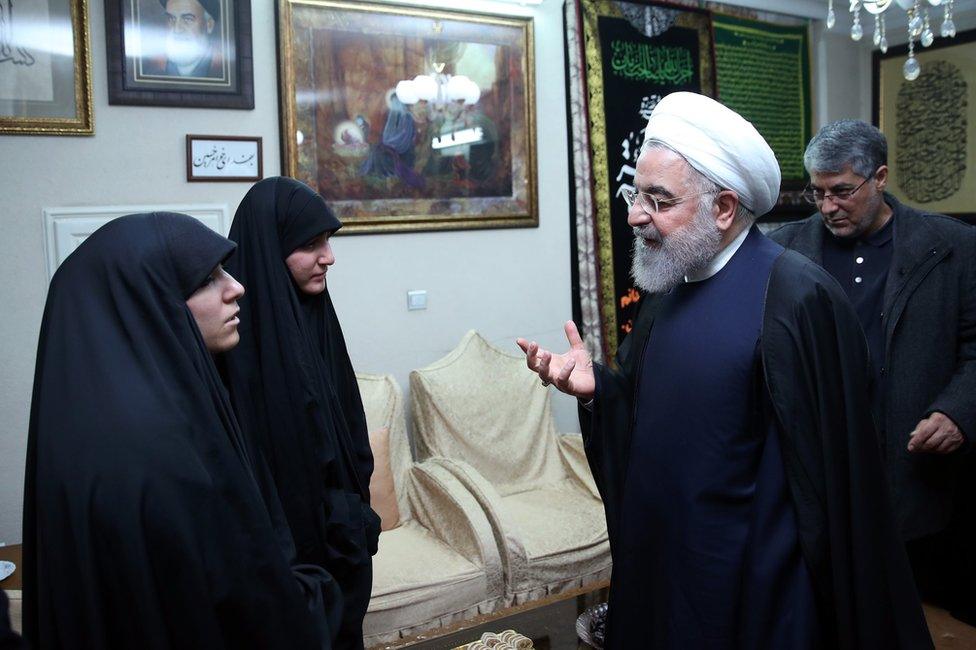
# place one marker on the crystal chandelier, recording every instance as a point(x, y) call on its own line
point(438, 89)
point(919, 28)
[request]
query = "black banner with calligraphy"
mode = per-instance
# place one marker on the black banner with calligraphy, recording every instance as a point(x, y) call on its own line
point(630, 56)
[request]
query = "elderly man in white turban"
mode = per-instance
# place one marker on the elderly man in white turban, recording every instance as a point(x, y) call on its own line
point(732, 441)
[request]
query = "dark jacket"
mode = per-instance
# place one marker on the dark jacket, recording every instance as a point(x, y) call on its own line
point(816, 375)
point(929, 324)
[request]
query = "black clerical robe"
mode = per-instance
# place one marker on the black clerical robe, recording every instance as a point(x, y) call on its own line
point(815, 373)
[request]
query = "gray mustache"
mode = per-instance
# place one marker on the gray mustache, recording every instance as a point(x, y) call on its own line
point(648, 232)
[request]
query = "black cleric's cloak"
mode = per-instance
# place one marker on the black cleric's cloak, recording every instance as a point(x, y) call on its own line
point(816, 373)
point(144, 524)
point(296, 394)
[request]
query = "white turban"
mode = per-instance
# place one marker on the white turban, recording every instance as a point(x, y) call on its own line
point(720, 144)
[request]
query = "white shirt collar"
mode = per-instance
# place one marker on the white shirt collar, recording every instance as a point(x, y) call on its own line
point(720, 260)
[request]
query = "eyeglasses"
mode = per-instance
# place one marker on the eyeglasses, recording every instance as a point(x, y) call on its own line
point(653, 205)
point(816, 196)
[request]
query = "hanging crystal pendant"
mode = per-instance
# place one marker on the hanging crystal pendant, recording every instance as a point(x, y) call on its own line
point(911, 69)
point(831, 17)
point(927, 36)
point(877, 31)
point(948, 26)
point(856, 30)
point(883, 45)
point(915, 20)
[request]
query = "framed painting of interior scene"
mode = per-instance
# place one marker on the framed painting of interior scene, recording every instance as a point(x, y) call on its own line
point(191, 53)
point(45, 68)
point(930, 124)
point(409, 119)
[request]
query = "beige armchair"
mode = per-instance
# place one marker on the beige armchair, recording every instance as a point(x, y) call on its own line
point(441, 564)
point(486, 411)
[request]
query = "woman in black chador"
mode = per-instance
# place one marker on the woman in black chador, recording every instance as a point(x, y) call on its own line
point(295, 391)
point(146, 523)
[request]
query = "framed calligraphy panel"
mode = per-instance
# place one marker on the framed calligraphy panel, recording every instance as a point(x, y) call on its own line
point(624, 57)
point(408, 119)
point(930, 124)
point(45, 89)
point(762, 72)
point(223, 158)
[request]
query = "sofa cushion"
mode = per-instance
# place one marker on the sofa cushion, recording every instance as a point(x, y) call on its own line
point(417, 578)
point(382, 494)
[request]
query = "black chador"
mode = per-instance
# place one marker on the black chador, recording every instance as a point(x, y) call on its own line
point(296, 394)
point(144, 524)
point(740, 470)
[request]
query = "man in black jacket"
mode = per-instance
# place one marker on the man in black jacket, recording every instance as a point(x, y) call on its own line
point(912, 279)
point(732, 442)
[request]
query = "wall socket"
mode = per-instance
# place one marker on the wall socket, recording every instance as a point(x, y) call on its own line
point(417, 300)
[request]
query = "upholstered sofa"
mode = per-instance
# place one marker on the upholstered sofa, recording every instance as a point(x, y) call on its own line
point(485, 410)
point(440, 564)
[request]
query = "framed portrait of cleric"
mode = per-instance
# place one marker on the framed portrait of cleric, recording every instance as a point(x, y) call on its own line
point(187, 53)
point(930, 124)
point(408, 119)
point(45, 90)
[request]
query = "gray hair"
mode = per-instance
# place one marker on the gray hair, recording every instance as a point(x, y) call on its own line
point(703, 184)
point(847, 142)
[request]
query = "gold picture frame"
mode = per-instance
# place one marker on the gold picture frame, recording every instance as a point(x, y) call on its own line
point(930, 125)
point(46, 91)
point(407, 118)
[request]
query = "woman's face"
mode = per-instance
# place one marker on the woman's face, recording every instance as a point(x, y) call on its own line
point(214, 307)
point(310, 262)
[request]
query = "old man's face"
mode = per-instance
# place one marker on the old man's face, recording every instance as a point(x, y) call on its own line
point(190, 27)
point(681, 236)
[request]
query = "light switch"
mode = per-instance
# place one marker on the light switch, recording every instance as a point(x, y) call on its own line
point(417, 300)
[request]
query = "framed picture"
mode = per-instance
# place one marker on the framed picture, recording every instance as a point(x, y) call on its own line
point(43, 89)
point(930, 124)
point(405, 118)
point(223, 158)
point(190, 53)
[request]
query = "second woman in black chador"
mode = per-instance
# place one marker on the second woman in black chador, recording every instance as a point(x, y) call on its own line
point(295, 390)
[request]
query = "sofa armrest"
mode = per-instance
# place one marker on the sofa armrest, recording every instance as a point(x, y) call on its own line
point(441, 504)
point(574, 459)
point(512, 551)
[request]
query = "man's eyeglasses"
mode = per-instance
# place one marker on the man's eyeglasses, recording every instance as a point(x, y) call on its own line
point(651, 204)
point(817, 196)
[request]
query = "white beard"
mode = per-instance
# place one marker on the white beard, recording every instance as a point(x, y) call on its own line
point(185, 51)
point(689, 249)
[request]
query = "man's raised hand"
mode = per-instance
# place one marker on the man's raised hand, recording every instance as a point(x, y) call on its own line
point(570, 372)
